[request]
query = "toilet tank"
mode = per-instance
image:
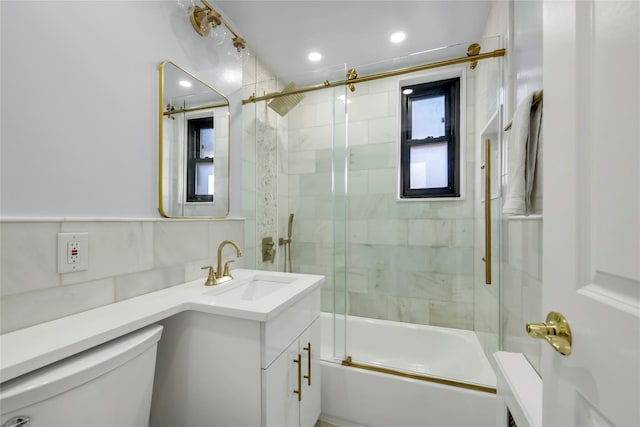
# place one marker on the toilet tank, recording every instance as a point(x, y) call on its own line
point(108, 385)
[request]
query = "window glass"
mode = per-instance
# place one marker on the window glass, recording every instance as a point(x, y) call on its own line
point(430, 139)
point(200, 160)
point(204, 179)
point(427, 118)
point(428, 166)
point(207, 137)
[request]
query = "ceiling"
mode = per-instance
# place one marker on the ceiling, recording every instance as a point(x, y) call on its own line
point(354, 32)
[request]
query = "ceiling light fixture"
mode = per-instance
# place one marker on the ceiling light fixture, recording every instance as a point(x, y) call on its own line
point(315, 56)
point(206, 21)
point(185, 83)
point(398, 37)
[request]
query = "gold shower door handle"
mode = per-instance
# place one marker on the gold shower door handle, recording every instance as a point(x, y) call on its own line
point(299, 390)
point(487, 211)
point(555, 331)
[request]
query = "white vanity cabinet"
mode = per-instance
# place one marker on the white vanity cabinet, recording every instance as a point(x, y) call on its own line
point(214, 370)
point(291, 384)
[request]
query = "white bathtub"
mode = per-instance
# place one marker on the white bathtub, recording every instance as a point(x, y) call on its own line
point(358, 397)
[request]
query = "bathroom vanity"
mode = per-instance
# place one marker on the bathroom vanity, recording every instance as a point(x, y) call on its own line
point(243, 353)
point(215, 370)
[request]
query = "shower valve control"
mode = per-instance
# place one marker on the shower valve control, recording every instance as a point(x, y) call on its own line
point(268, 250)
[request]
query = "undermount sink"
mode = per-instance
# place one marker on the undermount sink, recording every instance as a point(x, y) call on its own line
point(256, 288)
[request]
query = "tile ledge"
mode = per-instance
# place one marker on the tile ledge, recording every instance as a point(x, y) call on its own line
point(531, 217)
point(107, 219)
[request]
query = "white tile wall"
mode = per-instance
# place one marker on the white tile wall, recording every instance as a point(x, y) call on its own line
point(403, 257)
point(28, 257)
point(126, 258)
point(522, 286)
point(266, 189)
point(30, 308)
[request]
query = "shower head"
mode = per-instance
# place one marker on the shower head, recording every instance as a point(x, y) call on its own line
point(284, 104)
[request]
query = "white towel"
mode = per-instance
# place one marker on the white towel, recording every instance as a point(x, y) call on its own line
point(521, 159)
point(533, 197)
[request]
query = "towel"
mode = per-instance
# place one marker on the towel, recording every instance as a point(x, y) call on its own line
point(533, 197)
point(522, 157)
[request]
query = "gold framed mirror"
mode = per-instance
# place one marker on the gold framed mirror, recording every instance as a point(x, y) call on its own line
point(193, 146)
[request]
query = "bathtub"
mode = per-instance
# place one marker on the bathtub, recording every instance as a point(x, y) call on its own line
point(357, 397)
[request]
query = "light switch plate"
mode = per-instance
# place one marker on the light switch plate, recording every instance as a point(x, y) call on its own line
point(73, 252)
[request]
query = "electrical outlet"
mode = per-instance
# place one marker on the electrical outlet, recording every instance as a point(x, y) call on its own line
point(73, 252)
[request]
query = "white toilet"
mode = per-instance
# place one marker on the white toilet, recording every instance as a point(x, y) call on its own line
point(108, 385)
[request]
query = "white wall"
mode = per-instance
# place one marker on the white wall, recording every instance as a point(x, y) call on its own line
point(79, 153)
point(79, 104)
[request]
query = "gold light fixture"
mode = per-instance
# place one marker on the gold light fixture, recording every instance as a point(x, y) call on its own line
point(207, 21)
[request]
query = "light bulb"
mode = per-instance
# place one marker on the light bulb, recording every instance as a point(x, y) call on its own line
point(240, 55)
point(218, 33)
point(212, 26)
point(186, 4)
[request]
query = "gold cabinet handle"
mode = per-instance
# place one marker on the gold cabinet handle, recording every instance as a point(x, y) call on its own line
point(555, 331)
point(308, 377)
point(299, 390)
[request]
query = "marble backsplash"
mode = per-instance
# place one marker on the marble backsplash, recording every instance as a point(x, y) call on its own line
point(127, 258)
point(265, 166)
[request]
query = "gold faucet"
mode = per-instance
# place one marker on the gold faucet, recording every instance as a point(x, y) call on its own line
point(225, 273)
point(221, 275)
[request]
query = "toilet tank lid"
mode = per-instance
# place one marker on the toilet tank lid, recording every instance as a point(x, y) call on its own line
point(75, 370)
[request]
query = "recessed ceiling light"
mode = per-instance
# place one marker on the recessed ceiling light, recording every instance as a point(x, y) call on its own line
point(314, 56)
point(184, 83)
point(407, 91)
point(398, 37)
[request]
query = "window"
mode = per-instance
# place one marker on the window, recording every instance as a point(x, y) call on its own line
point(200, 153)
point(430, 141)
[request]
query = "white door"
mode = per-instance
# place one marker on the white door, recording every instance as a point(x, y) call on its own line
point(592, 210)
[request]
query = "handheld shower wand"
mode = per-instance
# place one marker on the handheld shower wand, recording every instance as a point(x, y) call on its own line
point(290, 225)
point(287, 244)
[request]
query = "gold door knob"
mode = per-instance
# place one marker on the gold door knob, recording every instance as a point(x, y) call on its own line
point(555, 330)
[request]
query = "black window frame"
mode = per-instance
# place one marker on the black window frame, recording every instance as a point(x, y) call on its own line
point(450, 89)
point(194, 126)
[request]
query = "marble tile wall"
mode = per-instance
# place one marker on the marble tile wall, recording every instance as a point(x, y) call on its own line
point(502, 311)
point(127, 258)
point(265, 166)
point(406, 261)
point(313, 146)
point(522, 293)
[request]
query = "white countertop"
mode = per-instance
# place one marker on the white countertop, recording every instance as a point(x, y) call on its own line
point(31, 348)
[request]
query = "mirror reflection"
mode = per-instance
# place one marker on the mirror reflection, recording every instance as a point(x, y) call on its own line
point(193, 146)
